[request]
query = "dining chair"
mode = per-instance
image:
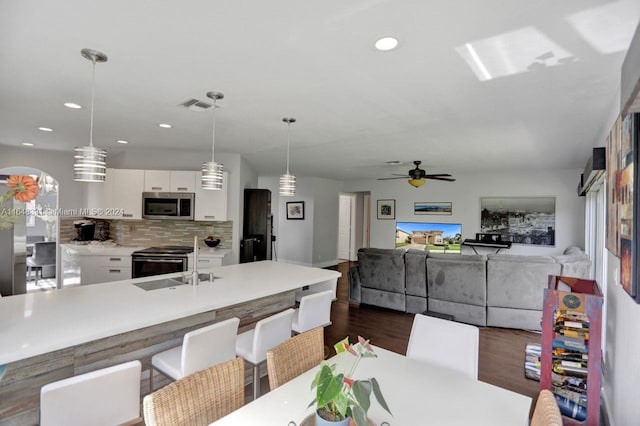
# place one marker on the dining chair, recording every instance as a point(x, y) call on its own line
point(446, 343)
point(314, 311)
point(293, 357)
point(200, 349)
point(253, 345)
point(197, 399)
point(105, 397)
point(546, 412)
point(44, 254)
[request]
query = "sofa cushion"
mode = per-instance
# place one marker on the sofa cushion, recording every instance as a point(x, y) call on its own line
point(415, 262)
point(457, 278)
point(382, 269)
point(518, 281)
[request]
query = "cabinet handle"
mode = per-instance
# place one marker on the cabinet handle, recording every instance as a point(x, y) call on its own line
point(204, 260)
point(115, 259)
point(209, 217)
point(156, 188)
point(116, 271)
point(127, 214)
point(182, 188)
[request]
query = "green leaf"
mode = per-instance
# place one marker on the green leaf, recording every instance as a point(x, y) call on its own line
point(341, 403)
point(329, 386)
point(361, 391)
point(360, 416)
point(378, 393)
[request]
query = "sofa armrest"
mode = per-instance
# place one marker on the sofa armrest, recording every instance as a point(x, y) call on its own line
point(354, 284)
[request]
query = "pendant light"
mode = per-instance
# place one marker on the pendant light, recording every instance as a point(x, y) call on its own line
point(90, 162)
point(212, 172)
point(287, 180)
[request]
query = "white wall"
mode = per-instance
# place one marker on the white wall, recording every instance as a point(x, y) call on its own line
point(465, 195)
point(314, 240)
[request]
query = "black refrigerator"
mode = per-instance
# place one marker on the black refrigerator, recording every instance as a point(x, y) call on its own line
point(257, 226)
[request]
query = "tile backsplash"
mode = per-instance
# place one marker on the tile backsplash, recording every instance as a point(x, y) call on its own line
point(147, 233)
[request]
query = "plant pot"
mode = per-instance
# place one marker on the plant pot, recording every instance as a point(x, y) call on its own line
point(322, 422)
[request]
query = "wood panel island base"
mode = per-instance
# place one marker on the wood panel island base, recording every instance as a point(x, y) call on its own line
point(54, 335)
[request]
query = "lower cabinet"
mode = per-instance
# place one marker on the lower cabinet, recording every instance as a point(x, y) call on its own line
point(102, 269)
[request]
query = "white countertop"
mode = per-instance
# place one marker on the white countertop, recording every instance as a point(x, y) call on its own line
point(37, 323)
point(100, 250)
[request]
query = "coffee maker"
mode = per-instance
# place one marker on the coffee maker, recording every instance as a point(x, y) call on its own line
point(85, 230)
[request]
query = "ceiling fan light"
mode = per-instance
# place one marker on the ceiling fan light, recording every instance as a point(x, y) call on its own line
point(287, 185)
point(212, 176)
point(416, 183)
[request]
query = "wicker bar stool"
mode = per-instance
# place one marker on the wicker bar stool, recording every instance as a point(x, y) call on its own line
point(290, 359)
point(198, 399)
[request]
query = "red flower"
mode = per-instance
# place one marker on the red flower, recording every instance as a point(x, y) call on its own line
point(348, 382)
point(25, 187)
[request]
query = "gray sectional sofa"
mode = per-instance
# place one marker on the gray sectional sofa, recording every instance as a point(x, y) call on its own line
point(498, 290)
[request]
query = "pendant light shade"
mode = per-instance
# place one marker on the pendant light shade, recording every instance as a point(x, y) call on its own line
point(212, 172)
point(90, 162)
point(287, 180)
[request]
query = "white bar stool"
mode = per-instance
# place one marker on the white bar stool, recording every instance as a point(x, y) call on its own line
point(253, 345)
point(314, 311)
point(201, 348)
point(106, 397)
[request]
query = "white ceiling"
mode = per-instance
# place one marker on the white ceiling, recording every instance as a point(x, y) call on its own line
point(473, 85)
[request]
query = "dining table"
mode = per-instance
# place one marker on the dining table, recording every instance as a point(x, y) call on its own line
point(417, 393)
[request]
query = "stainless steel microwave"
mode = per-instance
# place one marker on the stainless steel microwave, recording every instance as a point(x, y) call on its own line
point(168, 205)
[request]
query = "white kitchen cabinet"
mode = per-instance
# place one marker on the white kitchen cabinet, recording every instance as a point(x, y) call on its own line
point(210, 204)
point(103, 269)
point(169, 181)
point(126, 196)
point(183, 181)
point(208, 258)
point(157, 181)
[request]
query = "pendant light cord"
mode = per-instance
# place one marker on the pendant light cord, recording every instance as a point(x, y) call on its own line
point(213, 137)
point(288, 140)
point(93, 89)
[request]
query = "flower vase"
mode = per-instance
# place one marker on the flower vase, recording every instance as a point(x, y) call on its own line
point(322, 422)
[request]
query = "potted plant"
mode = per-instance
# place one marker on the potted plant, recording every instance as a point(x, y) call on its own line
point(340, 398)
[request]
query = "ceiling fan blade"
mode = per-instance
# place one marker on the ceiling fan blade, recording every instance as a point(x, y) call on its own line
point(403, 177)
point(438, 175)
point(395, 174)
point(448, 179)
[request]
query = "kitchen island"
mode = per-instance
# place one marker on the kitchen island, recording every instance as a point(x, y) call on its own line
point(48, 336)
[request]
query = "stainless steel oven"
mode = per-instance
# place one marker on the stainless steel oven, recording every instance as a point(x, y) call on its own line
point(160, 260)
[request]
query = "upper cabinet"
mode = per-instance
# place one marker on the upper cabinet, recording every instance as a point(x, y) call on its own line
point(169, 181)
point(126, 195)
point(210, 204)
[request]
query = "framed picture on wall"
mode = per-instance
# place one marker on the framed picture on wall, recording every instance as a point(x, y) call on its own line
point(295, 210)
point(432, 208)
point(386, 209)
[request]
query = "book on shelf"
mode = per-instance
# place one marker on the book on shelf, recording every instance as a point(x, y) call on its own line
point(576, 397)
point(570, 408)
point(570, 343)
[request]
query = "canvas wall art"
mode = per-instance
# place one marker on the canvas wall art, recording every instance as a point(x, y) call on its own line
point(521, 220)
point(432, 208)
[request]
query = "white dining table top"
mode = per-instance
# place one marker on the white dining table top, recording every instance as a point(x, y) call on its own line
point(417, 393)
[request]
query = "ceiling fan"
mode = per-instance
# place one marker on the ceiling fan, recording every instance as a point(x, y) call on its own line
point(418, 176)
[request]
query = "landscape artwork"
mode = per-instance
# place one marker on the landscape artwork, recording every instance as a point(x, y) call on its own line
point(521, 220)
point(435, 237)
point(432, 208)
point(624, 193)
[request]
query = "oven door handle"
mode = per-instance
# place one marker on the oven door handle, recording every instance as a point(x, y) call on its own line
point(158, 260)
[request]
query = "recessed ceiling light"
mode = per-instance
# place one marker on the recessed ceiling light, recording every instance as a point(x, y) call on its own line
point(165, 125)
point(45, 129)
point(72, 105)
point(387, 43)
point(122, 141)
point(27, 144)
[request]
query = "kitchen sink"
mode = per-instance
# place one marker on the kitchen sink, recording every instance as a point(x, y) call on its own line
point(171, 282)
point(158, 284)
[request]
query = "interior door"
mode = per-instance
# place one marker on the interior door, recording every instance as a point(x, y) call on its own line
point(344, 227)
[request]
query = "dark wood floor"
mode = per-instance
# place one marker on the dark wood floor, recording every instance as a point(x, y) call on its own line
point(501, 350)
